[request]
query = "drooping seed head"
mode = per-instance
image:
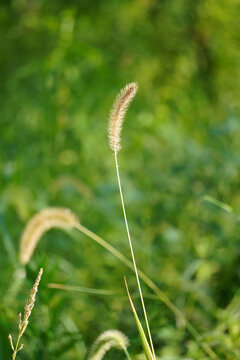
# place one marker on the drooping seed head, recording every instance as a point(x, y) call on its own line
point(117, 114)
point(107, 340)
point(52, 217)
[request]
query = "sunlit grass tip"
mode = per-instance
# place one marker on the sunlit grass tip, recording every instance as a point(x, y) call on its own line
point(117, 114)
point(52, 217)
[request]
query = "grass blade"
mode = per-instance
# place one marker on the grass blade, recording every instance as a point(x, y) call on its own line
point(219, 204)
point(146, 347)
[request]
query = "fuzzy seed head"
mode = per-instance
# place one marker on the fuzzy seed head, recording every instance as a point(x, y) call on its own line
point(52, 217)
point(117, 114)
point(107, 340)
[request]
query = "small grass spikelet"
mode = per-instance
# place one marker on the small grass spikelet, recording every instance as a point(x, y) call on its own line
point(107, 340)
point(23, 323)
point(52, 217)
point(117, 114)
point(30, 304)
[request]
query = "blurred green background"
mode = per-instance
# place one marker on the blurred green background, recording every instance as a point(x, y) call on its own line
point(61, 65)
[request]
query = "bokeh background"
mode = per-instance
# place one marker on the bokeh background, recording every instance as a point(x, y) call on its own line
point(61, 65)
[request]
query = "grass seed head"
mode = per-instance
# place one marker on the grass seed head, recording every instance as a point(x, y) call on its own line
point(117, 114)
point(107, 340)
point(22, 324)
point(29, 304)
point(52, 217)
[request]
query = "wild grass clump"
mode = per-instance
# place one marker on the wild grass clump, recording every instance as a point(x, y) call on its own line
point(62, 218)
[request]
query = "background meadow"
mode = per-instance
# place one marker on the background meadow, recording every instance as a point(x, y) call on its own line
point(61, 65)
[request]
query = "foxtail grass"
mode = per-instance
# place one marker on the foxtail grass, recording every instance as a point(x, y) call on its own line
point(51, 218)
point(117, 115)
point(23, 322)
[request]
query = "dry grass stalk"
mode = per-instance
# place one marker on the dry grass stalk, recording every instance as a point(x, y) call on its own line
point(22, 324)
point(117, 114)
point(52, 217)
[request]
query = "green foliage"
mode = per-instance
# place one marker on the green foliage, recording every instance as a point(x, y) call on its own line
point(61, 64)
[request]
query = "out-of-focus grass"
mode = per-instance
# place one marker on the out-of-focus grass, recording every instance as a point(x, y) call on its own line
point(61, 65)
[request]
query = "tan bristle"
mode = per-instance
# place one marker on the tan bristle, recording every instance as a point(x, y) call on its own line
point(22, 324)
point(29, 304)
point(40, 223)
point(117, 114)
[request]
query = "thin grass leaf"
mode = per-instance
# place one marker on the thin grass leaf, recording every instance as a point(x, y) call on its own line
point(146, 347)
point(219, 204)
point(100, 292)
point(81, 289)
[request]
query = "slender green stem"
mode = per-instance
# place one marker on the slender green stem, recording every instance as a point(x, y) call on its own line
point(161, 295)
point(127, 354)
point(133, 256)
